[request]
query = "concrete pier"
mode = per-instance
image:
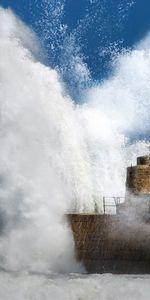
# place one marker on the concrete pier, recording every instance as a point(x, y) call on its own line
point(118, 243)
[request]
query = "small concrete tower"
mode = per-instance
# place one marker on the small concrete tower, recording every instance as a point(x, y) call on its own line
point(137, 199)
point(138, 177)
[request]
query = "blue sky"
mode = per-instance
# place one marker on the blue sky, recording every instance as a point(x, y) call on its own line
point(96, 29)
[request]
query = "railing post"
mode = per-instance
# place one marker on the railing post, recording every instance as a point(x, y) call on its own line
point(104, 204)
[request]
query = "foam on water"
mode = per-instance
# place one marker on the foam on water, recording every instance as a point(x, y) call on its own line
point(55, 155)
point(73, 287)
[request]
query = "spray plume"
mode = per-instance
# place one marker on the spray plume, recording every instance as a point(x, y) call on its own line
point(56, 156)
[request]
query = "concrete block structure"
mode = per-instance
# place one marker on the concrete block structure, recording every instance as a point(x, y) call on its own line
point(118, 243)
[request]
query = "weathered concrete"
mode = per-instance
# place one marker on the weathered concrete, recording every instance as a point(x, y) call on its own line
point(105, 243)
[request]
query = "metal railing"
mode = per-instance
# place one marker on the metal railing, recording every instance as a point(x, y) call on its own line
point(112, 202)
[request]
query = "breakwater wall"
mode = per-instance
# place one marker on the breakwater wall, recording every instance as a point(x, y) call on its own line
point(110, 243)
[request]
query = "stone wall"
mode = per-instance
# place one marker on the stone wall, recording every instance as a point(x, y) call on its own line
point(106, 243)
point(138, 177)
